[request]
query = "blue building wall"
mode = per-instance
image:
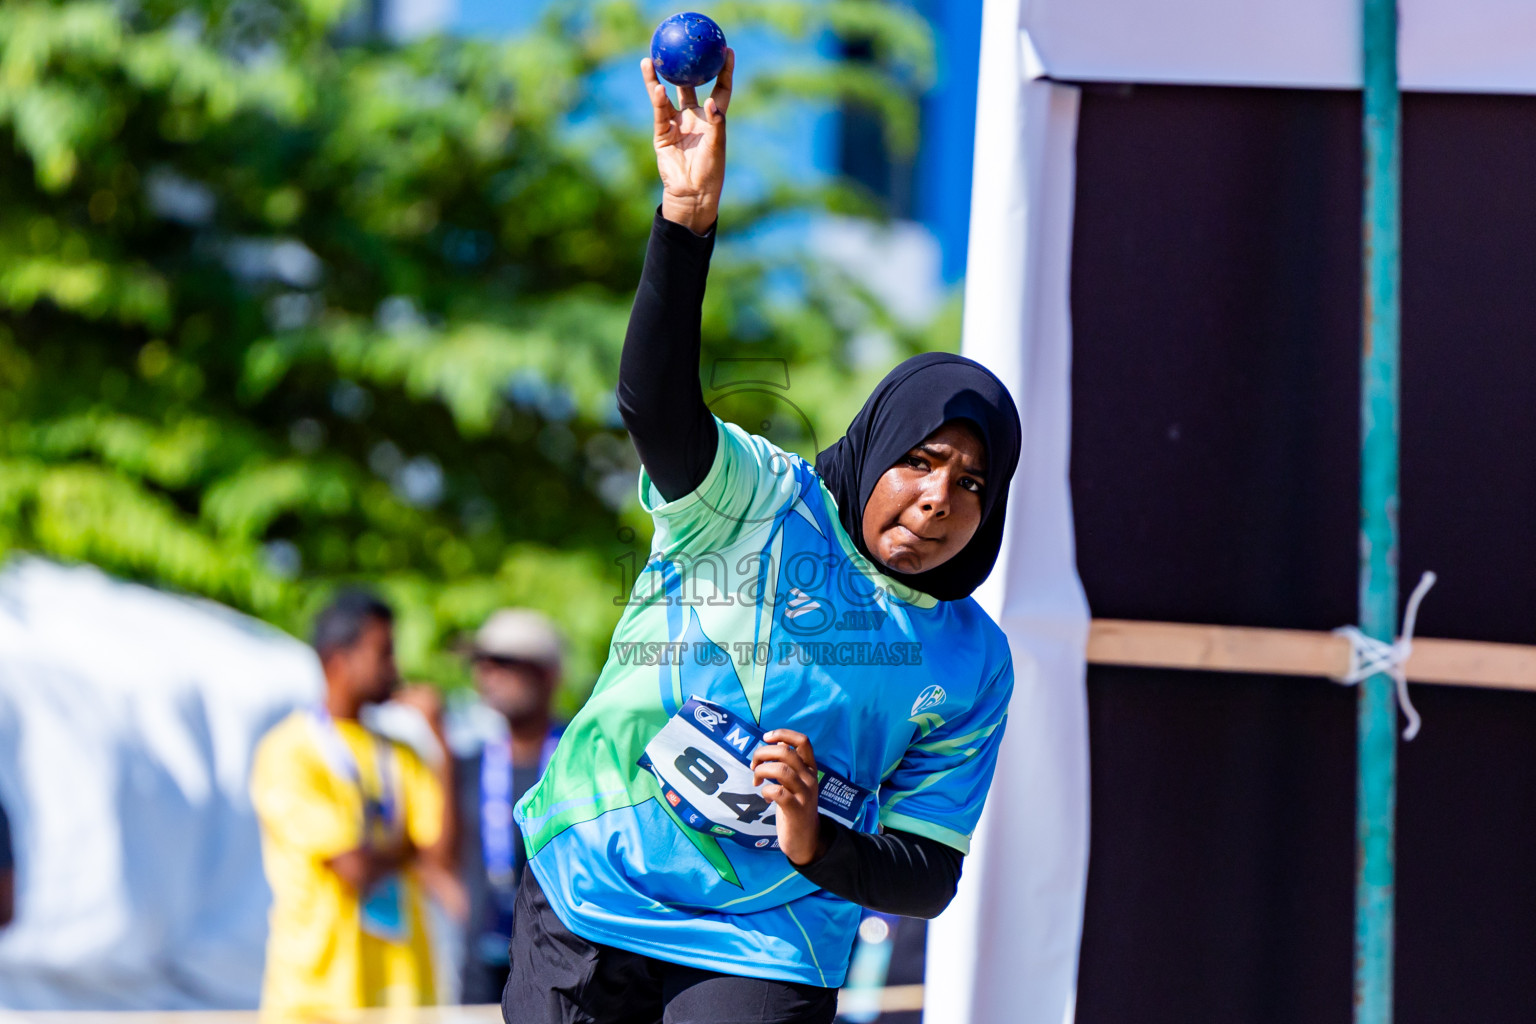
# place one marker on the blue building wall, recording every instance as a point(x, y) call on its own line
point(943, 180)
point(497, 16)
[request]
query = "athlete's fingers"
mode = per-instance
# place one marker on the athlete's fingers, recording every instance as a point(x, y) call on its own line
point(661, 103)
point(778, 771)
point(786, 776)
point(797, 740)
point(687, 96)
point(773, 792)
point(789, 736)
point(776, 752)
point(782, 753)
point(721, 93)
point(788, 756)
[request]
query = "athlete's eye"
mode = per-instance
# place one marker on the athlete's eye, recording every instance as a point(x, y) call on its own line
point(971, 485)
point(915, 462)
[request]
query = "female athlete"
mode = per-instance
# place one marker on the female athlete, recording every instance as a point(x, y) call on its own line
point(802, 706)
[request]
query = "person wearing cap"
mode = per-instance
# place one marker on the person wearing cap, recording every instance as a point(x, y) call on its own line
point(517, 657)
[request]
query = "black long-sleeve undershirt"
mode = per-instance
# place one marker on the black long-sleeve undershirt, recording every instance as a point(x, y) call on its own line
point(662, 404)
point(659, 393)
point(893, 872)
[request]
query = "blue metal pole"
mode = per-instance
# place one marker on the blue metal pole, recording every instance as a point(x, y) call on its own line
point(1376, 796)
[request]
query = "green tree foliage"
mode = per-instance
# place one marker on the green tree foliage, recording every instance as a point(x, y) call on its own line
point(283, 306)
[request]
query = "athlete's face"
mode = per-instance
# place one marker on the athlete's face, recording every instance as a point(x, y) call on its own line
point(927, 507)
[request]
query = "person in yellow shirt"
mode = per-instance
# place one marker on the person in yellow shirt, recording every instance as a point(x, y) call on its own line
point(352, 823)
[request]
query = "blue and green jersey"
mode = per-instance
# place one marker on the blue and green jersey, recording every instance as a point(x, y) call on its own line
point(756, 612)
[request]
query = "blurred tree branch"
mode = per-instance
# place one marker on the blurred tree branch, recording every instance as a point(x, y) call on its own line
point(280, 310)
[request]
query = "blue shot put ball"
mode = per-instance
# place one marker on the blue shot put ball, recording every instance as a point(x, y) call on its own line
point(688, 49)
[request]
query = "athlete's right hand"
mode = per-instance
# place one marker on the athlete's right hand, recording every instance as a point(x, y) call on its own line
point(690, 147)
point(787, 764)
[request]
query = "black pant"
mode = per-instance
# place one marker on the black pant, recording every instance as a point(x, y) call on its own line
point(481, 982)
point(561, 978)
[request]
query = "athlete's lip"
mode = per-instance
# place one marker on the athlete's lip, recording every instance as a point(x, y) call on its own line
point(915, 535)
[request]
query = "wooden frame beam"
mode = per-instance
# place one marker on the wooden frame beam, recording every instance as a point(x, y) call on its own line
point(1296, 652)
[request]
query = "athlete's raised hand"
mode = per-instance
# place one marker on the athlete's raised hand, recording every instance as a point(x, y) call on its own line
point(690, 146)
point(787, 764)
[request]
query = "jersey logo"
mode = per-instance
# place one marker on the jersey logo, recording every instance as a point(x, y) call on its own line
point(708, 717)
point(932, 697)
point(800, 603)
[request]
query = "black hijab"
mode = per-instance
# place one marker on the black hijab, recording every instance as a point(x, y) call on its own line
point(916, 398)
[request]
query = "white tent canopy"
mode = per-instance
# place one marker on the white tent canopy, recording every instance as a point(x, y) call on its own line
point(1007, 949)
point(128, 718)
point(1444, 45)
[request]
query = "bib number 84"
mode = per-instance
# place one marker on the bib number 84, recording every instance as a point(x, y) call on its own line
point(706, 773)
point(702, 759)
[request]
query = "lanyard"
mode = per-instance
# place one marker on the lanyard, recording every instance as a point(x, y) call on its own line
point(498, 833)
point(341, 761)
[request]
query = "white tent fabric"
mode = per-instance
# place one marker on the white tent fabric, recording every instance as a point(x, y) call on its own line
point(1444, 45)
point(1006, 950)
point(128, 718)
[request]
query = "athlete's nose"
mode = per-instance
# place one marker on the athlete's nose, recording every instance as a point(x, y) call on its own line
point(935, 500)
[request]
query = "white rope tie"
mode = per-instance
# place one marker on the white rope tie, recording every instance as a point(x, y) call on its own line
point(1368, 656)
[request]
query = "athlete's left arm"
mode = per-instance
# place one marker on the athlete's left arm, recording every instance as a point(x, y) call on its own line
point(929, 806)
point(893, 872)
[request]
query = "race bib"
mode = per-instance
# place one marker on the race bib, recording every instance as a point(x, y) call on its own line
point(703, 760)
